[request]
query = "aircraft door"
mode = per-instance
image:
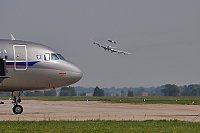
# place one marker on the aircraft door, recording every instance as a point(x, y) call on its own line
point(2, 67)
point(20, 57)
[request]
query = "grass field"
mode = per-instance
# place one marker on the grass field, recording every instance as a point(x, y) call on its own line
point(107, 126)
point(134, 100)
point(97, 126)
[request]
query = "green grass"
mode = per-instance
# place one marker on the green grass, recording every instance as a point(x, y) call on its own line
point(96, 126)
point(106, 126)
point(135, 100)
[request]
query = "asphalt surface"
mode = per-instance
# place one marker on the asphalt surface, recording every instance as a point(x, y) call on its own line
point(92, 110)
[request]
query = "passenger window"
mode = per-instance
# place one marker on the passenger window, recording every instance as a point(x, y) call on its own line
point(54, 57)
point(47, 56)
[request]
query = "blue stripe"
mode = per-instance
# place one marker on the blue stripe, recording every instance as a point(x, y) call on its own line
point(31, 63)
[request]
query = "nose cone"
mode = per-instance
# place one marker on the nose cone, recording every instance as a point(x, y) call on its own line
point(76, 74)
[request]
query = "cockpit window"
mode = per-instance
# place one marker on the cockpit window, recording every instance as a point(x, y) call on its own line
point(61, 57)
point(47, 56)
point(54, 56)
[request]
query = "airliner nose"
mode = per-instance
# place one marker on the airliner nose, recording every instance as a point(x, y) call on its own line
point(76, 74)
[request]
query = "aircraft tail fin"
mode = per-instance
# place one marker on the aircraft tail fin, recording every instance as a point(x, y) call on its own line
point(12, 37)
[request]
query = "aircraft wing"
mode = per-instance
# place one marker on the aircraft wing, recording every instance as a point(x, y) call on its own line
point(113, 50)
point(119, 52)
point(100, 45)
point(124, 52)
point(104, 47)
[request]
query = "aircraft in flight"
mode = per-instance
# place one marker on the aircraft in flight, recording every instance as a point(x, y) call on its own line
point(110, 48)
point(26, 65)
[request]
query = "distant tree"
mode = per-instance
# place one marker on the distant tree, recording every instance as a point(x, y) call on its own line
point(186, 91)
point(50, 93)
point(130, 93)
point(139, 91)
point(157, 91)
point(195, 92)
point(67, 91)
point(117, 94)
point(98, 92)
point(191, 90)
point(83, 94)
point(33, 93)
point(170, 90)
point(122, 93)
point(4, 94)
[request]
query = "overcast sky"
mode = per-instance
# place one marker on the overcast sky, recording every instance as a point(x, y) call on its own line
point(162, 35)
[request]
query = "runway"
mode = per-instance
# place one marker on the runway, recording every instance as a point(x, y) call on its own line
point(92, 110)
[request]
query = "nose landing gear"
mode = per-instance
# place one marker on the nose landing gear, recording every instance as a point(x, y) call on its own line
point(17, 109)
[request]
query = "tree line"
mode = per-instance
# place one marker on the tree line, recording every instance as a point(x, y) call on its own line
point(65, 91)
point(164, 90)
